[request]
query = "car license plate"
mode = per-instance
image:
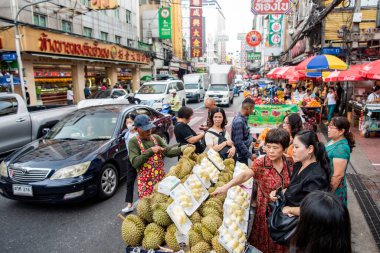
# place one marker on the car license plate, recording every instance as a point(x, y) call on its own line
point(22, 190)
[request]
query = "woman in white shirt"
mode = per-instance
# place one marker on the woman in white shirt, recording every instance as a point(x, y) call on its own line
point(70, 95)
point(331, 103)
point(130, 132)
point(217, 137)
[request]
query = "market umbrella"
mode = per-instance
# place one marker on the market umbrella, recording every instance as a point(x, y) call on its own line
point(302, 66)
point(255, 77)
point(351, 74)
point(295, 77)
point(271, 74)
point(282, 72)
point(5, 80)
point(326, 62)
point(371, 70)
point(245, 76)
point(146, 78)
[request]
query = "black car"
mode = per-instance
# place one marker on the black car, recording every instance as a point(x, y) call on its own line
point(114, 93)
point(83, 155)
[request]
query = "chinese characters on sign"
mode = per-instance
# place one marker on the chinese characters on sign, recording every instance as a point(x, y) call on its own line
point(196, 28)
point(253, 38)
point(165, 23)
point(261, 7)
point(275, 29)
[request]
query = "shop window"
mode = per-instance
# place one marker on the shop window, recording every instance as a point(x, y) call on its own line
point(67, 26)
point(87, 31)
point(117, 39)
point(8, 106)
point(39, 19)
point(103, 36)
point(117, 13)
point(128, 16)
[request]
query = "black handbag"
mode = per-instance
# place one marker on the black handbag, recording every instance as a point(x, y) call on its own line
point(221, 138)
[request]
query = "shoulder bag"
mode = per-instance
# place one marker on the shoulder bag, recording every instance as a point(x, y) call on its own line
point(221, 138)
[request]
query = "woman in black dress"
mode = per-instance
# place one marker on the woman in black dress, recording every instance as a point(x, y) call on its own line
point(311, 171)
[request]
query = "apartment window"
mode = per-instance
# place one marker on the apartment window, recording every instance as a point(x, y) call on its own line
point(128, 17)
point(130, 43)
point(117, 39)
point(87, 31)
point(117, 13)
point(39, 19)
point(103, 36)
point(67, 26)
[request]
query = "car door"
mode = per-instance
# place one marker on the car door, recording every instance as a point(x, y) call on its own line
point(15, 126)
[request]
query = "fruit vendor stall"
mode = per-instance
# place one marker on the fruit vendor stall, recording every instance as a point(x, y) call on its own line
point(312, 109)
point(182, 214)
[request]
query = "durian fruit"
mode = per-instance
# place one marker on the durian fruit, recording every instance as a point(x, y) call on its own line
point(194, 237)
point(211, 190)
point(189, 150)
point(170, 200)
point(206, 234)
point(144, 209)
point(171, 239)
point(208, 210)
point(160, 216)
point(132, 230)
point(219, 184)
point(158, 198)
point(214, 204)
point(229, 162)
point(184, 179)
point(154, 237)
point(201, 157)
point(195, 217)
point(212, 223)
point(217, 246)
point(198, 227)
point(172, 171)
point(201, 247)
point(184, 168)
point(215, 200)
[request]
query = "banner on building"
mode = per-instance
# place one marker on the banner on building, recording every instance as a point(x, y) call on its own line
point(270, 115)
point(275, 29)
point(165, 23)
point(103, 4)
point(253, 56)
point(263, 7)
point(196, 26)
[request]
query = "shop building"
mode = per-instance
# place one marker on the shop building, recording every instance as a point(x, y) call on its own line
point(54, 61)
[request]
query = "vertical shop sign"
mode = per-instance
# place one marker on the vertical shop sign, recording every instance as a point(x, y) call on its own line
point(264, 7)
point(165, 23)
point(196, 24)
point(275, 29)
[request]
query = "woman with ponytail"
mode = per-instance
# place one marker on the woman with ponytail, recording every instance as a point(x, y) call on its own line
point(338, 150)
point(311, 171)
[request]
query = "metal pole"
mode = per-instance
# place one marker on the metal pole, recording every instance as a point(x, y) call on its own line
point(18, 51)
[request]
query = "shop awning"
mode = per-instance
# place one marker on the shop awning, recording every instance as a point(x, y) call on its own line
point(272, 73)
point(295, 76)
point(351, 74)
point(371, 70)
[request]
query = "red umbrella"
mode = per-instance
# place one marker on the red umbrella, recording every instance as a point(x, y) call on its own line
point(351, 74)
point(272, 74)
point(295, 77)
point(333, 77)
point(371, 70)
point(302, 66)
point(282, 72)
point(255, 77)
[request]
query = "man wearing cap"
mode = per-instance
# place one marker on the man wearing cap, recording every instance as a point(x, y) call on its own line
point(146, 154)
point(174, 101)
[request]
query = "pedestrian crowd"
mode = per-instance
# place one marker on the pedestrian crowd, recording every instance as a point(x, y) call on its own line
point(310, 175)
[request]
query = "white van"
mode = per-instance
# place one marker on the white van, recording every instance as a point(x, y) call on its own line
point(196, 86)
point(156, 93)
point(221, 93)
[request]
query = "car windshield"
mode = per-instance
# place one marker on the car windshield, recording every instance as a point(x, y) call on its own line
point(85, 126)
point(153, 88)
point(191, 86)
point(218, 87)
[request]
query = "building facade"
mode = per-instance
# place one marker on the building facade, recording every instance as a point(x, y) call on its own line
point(64, 43)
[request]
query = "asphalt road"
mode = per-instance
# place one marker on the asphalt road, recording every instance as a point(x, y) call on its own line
point(92, 226)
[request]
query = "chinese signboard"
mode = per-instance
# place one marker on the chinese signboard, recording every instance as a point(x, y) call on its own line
point(196, 28)
point(275, 29)
point(103, 4)
point(253, 38)
point(165, 23)
point(270, 115)
point(263, 7)
point(253, 56)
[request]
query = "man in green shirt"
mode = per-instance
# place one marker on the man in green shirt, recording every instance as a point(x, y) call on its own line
point(147, 152)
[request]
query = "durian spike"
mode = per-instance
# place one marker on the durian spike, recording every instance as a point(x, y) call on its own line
point(121, 217)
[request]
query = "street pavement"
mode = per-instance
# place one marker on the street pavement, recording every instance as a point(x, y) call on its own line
point(92, 226)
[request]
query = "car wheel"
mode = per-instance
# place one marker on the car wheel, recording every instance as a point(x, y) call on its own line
point(108, 181)
point(232, 101)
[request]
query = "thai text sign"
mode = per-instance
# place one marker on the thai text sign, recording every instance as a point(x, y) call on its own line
point(164, 23)
point(196, 23)
point(271, 7)
point(253, 56)
point(270, 115)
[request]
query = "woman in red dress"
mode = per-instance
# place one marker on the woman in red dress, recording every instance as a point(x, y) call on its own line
point(270, 172)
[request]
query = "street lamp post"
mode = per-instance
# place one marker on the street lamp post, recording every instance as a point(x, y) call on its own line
point(18, 51)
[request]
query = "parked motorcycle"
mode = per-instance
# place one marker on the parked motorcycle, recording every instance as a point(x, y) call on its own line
point(167, 109)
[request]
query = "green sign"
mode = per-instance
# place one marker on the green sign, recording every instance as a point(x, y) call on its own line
point(165, 23)
point(269, 115)
point(275, 29)
point(253, 56)
point(144, 46)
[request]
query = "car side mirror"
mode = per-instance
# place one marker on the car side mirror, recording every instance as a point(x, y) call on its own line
point(45, 131)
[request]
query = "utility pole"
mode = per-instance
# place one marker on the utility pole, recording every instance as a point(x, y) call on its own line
point(355, 25)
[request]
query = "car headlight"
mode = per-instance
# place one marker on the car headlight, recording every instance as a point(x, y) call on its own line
point(3, 169)
point(71, 171)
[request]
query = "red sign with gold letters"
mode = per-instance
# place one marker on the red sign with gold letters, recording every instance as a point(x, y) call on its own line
point(196, 23)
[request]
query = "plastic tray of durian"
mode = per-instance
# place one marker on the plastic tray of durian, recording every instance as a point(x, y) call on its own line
point(203, 175)
point(240, 168)
point(208, 166)
point(185, 199)
point(178, 216)
point(229, 240)
point(239, 196)
point(235, 213)
point(194, 184)
point(216, 159)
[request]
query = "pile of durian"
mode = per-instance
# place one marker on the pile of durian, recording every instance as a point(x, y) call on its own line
point(152, 227)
